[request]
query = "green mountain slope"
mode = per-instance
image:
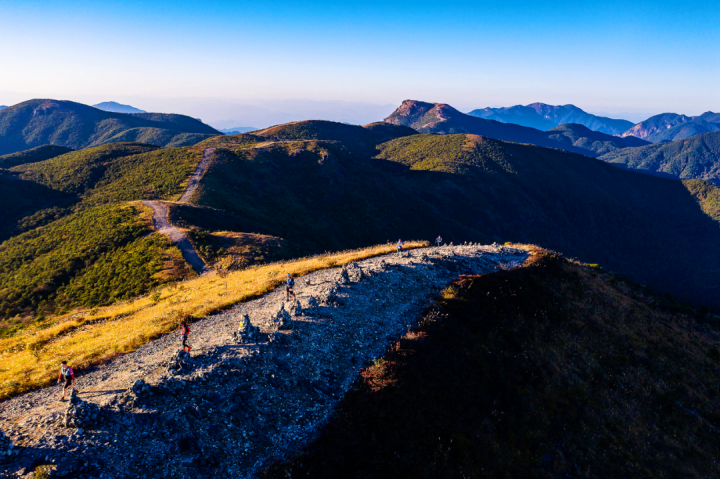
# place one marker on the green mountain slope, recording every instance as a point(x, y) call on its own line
point(323, 196)
point(443, 119)
point(695, 157)
point(74, 125)
point(90, 258)
point(546, 371)
point(33, 155)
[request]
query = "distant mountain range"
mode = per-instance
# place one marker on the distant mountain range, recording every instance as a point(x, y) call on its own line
point(117, 107)
point(444, 119)
point(695, 157)
point(74, 125)
point(2, 107)
point(237, 130)
point(544, 117)
point(671, 126)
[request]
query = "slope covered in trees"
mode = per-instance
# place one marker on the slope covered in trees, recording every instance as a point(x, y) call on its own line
point(696, 157)
point(74, 125)
point(322, 196)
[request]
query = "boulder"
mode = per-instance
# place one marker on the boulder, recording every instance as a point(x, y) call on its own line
point(312, 303)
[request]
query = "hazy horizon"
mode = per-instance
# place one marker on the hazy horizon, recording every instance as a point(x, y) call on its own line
point(260, 62)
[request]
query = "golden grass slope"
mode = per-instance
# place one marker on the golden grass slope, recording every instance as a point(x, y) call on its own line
point(84, 338)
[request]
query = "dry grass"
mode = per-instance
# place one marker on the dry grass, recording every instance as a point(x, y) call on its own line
point(30, 359)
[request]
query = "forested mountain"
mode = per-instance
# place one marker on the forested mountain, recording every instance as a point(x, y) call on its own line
point(324, 186)
point(74, 125)
point(546, 117)
point(694, 157)
point(444, 119)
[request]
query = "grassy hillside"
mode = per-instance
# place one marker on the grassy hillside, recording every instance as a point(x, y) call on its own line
point(33, 155)
point(74, 125)
point(91, 337)
point(444, 119)
point(88, 259)
point(116, 172)
point(320, 197)
point(551, 370)
point(696, 157)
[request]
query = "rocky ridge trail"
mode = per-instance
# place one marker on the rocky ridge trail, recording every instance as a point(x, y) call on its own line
point(178, 237)
point(250, 392)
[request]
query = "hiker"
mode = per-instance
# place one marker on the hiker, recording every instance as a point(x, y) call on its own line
point(185, 333)
point(289, 285)
point(399, 247)
point(438, 241)
point(67, 374)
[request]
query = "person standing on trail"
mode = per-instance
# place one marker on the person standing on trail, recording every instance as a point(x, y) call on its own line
point(68, 375)
point(185, 333)
point(438, 241)
point(399, 246)
point(289, 285)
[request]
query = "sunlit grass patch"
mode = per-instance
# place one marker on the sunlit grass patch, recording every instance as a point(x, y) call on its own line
point(29, 359)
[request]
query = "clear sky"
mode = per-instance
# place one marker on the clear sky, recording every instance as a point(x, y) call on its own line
point(618, 57)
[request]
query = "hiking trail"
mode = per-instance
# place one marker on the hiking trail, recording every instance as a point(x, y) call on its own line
point(178, 237)
point(234, 406)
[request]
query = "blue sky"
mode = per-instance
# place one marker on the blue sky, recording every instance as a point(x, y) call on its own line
point(633, 58)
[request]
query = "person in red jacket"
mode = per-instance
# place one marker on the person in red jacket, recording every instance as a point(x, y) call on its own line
point(185, 333)
point(67, 374)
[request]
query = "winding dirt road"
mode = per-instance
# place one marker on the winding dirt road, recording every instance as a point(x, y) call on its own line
point(163, 225)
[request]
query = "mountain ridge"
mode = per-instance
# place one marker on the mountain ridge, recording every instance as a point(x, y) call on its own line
point(669, 126)
point(545, 117)
point(444, 119)
point(116, 107)
point(75, 125)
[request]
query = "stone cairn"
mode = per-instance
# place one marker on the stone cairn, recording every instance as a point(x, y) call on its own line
point(81, 413)
point(246, 332)
point(141, 389)
point(180, 363)
point(312, 303)
point(297, 309)
point(7, 449)
point(282, 318)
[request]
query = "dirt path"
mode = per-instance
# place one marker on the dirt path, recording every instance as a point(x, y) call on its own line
point(235, 406)
point(197, 175)
point(162, 224)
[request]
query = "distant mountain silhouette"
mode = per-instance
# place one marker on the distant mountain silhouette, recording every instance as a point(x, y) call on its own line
point(237, 130)
point(444, 119)
point(2, 107)
point(74, 125)
point(117, 107)
point(696, 157)
point(671, 126)
point(544, 117)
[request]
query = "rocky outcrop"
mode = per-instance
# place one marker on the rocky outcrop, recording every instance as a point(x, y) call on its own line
point(81, 413)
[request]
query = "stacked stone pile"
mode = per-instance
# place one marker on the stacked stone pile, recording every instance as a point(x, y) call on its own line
point(246, 332)
point(141, 389)
point(81, 413)
point(312, 303)
point(282, 318)
point(180, 363)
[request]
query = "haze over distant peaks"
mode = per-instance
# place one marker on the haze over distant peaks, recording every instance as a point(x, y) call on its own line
point(237, 130)
point(2, 107)
point(117, 107)
point(545, 117)
point(671, 126)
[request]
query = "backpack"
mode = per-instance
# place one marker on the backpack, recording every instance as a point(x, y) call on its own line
point(67, 372)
